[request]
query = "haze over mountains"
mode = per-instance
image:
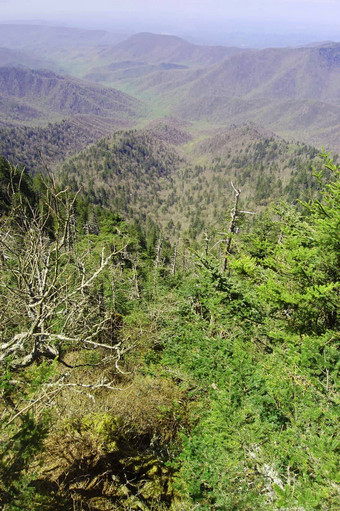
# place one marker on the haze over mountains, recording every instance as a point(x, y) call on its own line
point(169, 268)
point(154, 48)
point(49, 95)
point(65, 89)
point(10, 57)
point(293, 91)
point(41, 38)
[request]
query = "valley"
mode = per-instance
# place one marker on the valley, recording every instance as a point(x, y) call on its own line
point(291, 91)
point(208, 114)
point(163, 173)
point(169, 273)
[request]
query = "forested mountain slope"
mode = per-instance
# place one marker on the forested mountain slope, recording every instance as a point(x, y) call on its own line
point(35, 147)
point(105, 54)
point(185, 185)
point(157, 49)
point(145, 54)
point(291, 91)
point(287, 90)
point(169, 294)
point(15, 58)
point(277, 73)
point(40, 95)
point(300, 73)
point(295, 92)
point(142, 376)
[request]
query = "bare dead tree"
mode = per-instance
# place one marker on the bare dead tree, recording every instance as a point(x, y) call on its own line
point(174, 259)
point(158, 253)
point(206, 244)
point(232, 226)
point(47, 285)
point(234, 213)
point(157, 263)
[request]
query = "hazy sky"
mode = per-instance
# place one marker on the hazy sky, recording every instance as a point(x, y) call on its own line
point(314, 10)
point(180, 14)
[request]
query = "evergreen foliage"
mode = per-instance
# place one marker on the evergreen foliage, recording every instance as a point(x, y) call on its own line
point(167, 382)
point(143, 176)
point(261, 345)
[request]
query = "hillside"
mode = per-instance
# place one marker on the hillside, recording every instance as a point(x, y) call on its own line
point(107, 57)
point(15, 58)
point(169, 275)
point(281, 74)
point(183, 184)
point(42, 95)
point(292, 91)
point(42, 39)
point(305, 120)
point(147, 54)
point(140, 375)
point(27, 146)
point(170, 130)
point(301, 73)
point(127, 172)
point(157, 49)
point(165, 172)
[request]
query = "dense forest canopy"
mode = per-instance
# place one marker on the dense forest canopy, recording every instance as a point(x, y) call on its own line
point(139, 373)
point(169, 274)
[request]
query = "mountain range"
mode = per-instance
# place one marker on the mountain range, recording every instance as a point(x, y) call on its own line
point(214, 83)
point(46, 95)
point(184, 184)
point(204, 115)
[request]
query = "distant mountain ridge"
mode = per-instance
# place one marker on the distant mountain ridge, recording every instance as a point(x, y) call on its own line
point(294, 92)
point(50, 95)
point(38, 38)
point(158, 48)
point(15, 58)
point(146, 54)
point(303, 73)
